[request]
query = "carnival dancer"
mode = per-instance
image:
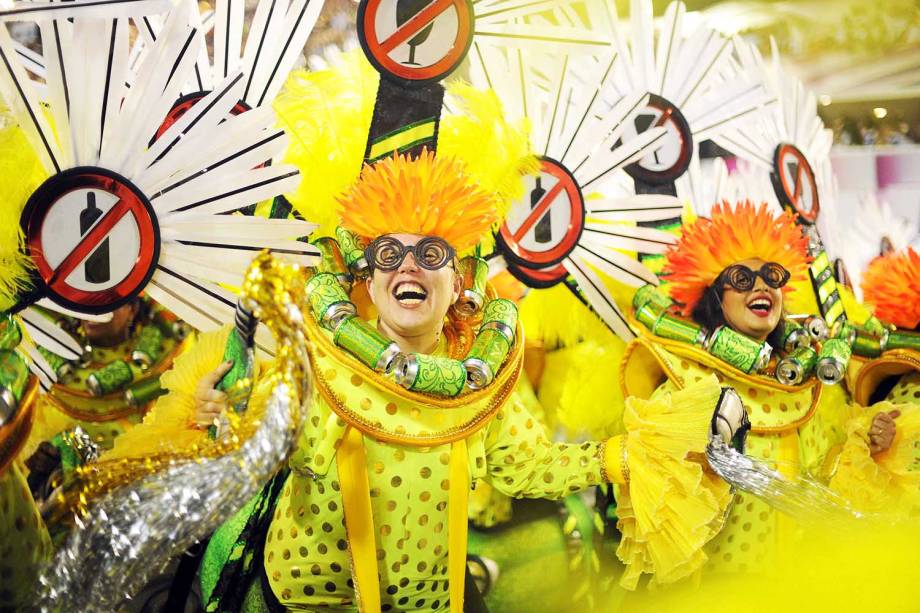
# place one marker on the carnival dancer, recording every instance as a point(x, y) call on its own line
point(411, 409)
point(728, 278)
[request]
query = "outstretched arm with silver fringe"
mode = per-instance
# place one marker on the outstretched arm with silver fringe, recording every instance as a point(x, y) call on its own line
point(132, 530)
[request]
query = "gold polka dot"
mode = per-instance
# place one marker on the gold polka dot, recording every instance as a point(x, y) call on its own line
point(315, 569)
point(391, 505)
point(766, 408)
point(319, 459)
point(293, 532)
point(423, 520)
point(752, 392)
point(285, 594)
point(286, 554)
point(548, 478)
point(783, 407)
point(303, 552)
point(366, 404)
point(746, 527)
point(425, 496)
point(425, 472)
point(422, 543)
point(445, 484)
point(276, 576)
point(379, 467)
point(271, 556)
point(295, 572)
point(391, 408)
point(399, 429)
point(330, 374)
point(513, 430)
point(385, 530)
point(356, 380)
point(438, 527)
point(396, 481)
point(399, 455)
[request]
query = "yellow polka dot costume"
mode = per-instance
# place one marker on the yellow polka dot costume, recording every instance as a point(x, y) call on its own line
point(372, 511)
point(806, 430)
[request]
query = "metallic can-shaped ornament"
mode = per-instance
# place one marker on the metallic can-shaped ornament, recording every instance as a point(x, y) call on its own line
point(429, 374)
point(10, 334)
point(832, 361)
point(816, 327)
point(678, 329)
point(144, 391)
point(110, 378)
point(903, 340)
point(367, 344)
point(797, 366)
point(875, 326)
point(473, 272)
point(649, 294)
point(352, 250)
point(60, 365)
point(485, 357)
point(501, 315)
point(845, 331)
point(794, 336)
point(332, 261)
point(14, 379)
point(867, 344)
point(649, 314)
point(328, 301)
point(745, 354)
point(149, 346)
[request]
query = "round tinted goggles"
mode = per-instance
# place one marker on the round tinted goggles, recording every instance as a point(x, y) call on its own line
point(387, 253)
point(742, 278)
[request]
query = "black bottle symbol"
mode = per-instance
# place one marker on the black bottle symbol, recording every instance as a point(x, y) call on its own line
point(543, 230)
point(96, 268)
point(406, 10)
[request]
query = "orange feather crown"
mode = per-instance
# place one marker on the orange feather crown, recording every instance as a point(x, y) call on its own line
point(891, 285)
point(732, 234)
point(430, 196)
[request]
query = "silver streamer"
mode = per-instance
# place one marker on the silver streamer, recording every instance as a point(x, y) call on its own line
point(130, 534)
point(133, 532)
point(802, 498)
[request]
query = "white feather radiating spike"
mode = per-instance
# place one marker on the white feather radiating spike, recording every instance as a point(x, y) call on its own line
point(596, 293)
point(209, 298)
point(234, 163)
point(198, 267)
point(641, 207)
point(228, 36)
point(56, 36)
point(31, 61)
point(669, 43)
point(17, 91)
point(38, 365)
point(630, 238)
point(298, 23)
point(607, 129)
point(45, 303)
point(224, 194)
point(83, 9)
point(50, 336)
point(243, 225)
point(268, 17)
point(622, 268)
point(185, 158)
point(595, 172)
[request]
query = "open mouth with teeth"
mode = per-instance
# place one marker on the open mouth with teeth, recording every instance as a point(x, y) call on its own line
point(761, 306)
point(409, 293)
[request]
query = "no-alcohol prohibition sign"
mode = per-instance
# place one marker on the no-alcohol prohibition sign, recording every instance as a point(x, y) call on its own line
point(544, 226)
point(667, 162)
point(93, 237)
point(794, 182)
point(415, 40)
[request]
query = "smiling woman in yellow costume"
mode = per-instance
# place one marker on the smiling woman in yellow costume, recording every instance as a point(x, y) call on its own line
point(729, 276)
point(372, 512)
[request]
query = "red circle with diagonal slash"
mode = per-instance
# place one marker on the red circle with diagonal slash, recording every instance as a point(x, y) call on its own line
point(562, 192)
point(539, 278)
point(131, 201)
point(794, 191)
point(380, 51)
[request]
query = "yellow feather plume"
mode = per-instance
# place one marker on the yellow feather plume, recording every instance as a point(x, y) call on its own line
point(430, 196)
point(21, 173)
point(328, 116)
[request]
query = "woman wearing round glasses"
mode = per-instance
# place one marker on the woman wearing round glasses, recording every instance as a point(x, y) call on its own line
point(728, 280)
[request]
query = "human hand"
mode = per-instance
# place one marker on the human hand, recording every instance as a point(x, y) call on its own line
point(882, 431)
point(209, 402)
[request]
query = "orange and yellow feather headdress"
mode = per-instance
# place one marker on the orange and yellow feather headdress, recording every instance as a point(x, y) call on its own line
point(458, 194)
point(891, 286)
point(430, 196)
point(732, 234)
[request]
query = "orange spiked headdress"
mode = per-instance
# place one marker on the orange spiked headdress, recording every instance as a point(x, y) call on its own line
point(732, 234)
point(891, 285)
point(429, 195)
